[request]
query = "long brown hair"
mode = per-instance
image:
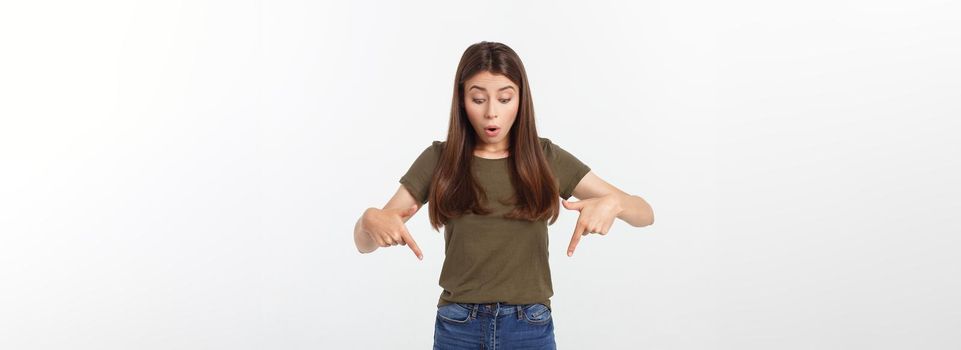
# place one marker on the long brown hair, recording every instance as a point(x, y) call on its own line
point(453, 190)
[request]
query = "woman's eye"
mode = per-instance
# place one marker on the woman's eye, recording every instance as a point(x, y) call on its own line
point(478, 101)
point(505, 100)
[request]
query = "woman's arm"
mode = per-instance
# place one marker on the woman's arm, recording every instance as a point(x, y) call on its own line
point(600, 203)
point(634, 210)
point(637, 212)
point(362, 240)
point(399, 205)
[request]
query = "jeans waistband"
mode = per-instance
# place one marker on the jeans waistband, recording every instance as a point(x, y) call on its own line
point(499, 309)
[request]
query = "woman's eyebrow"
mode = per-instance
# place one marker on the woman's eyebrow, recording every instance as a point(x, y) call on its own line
point(483, 89)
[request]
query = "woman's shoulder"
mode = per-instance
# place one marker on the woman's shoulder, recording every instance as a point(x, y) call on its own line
point(555, 153)
point(431, 153)
point(547, 146)
point(434, 150)
point(437, 146)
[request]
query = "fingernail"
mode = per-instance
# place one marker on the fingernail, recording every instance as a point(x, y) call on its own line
point(569, 253)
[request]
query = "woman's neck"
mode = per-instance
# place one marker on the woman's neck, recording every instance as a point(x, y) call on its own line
point(492, 150)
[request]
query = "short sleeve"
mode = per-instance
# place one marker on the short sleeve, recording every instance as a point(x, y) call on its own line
point(421, 172)
point(568, 169)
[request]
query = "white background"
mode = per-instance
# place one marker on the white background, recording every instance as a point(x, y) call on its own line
point(187, 175)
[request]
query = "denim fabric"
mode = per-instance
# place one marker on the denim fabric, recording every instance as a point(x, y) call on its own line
point(493, 326)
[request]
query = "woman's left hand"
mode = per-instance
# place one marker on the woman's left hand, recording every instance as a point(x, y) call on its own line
point(596, 216)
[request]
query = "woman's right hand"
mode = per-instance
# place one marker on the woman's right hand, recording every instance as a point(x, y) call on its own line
point(386, 228)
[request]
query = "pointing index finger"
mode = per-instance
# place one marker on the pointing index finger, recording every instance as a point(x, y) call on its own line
point(413, 245)
point(578, 230)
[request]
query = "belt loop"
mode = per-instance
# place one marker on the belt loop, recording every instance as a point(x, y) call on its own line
point(520, 311)
point(473, 313)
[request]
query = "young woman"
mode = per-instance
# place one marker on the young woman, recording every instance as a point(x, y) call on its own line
point(493, 185)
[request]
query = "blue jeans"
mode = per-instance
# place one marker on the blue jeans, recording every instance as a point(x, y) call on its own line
point(495, 326)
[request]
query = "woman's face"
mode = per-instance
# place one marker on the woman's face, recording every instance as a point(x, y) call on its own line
point(491, 101)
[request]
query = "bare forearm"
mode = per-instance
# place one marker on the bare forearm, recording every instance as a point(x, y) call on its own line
point(636, 211)
point(363, 241)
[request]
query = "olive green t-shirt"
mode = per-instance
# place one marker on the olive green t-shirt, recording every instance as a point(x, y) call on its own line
point(489, 258)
